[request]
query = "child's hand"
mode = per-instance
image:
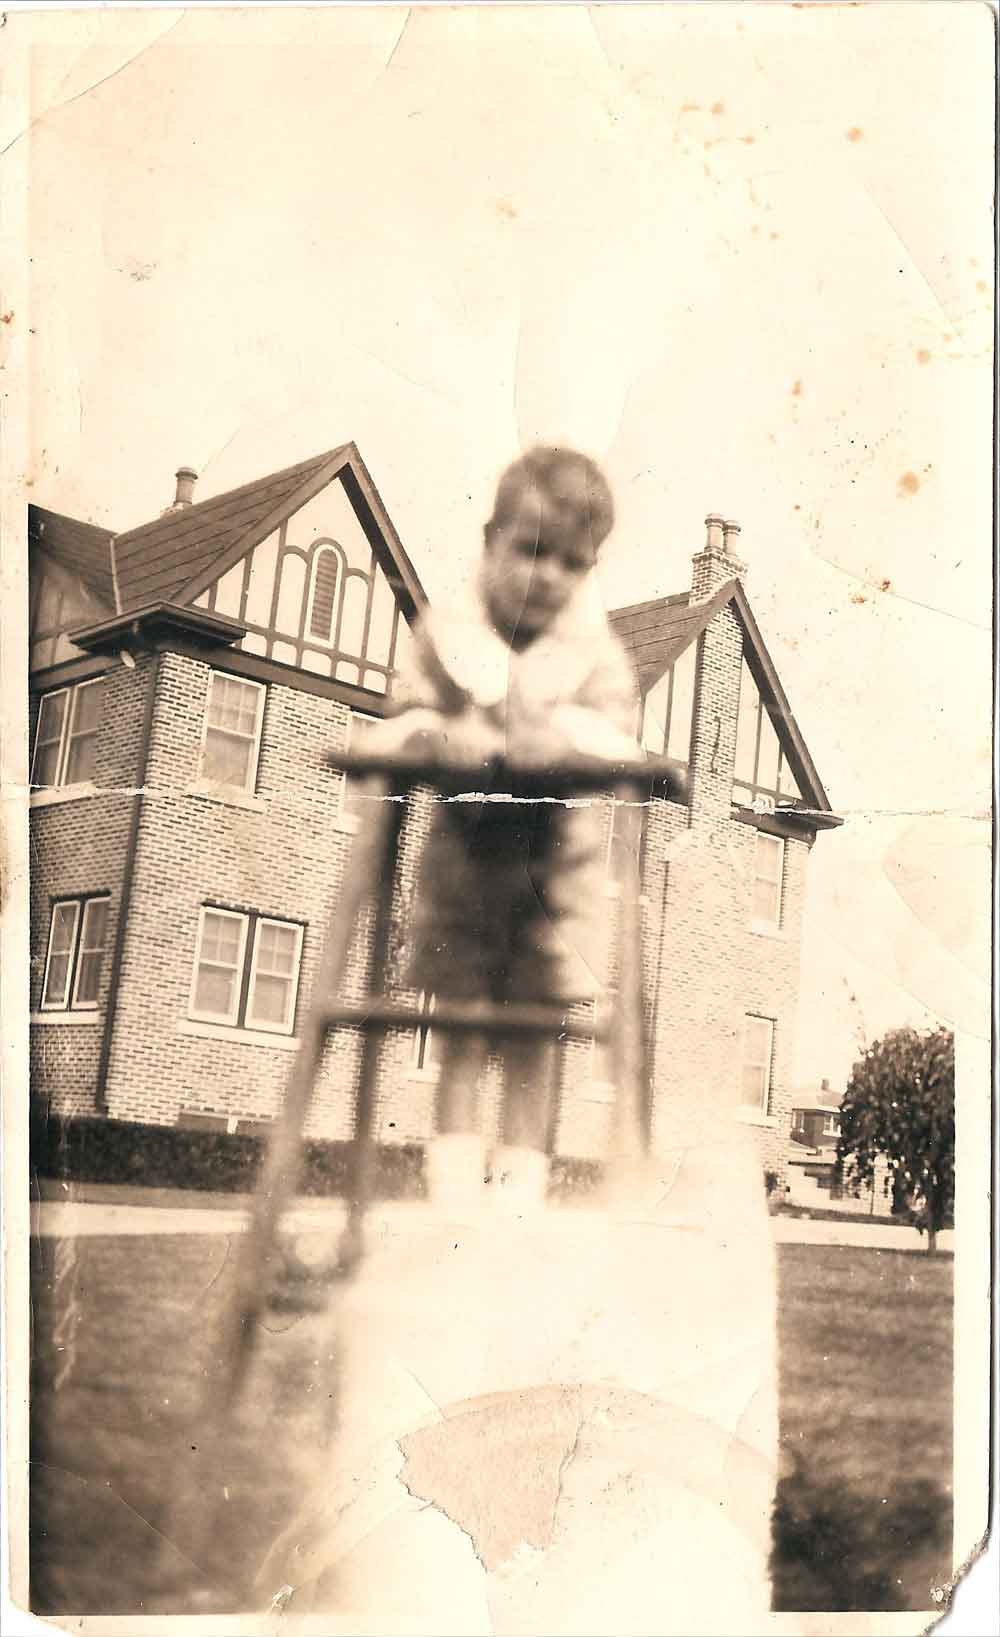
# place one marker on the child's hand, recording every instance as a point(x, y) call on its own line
point(468, 738)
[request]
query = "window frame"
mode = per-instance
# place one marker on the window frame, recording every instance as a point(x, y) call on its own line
point(249, 788)
point(763, 1104)
point(761, 923)
point(70, 1001)
point(250, 1022)
point(72, 690)
point(240, 1021)
point(331, 639)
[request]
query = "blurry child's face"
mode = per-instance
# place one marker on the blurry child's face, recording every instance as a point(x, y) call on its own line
point(532, 566)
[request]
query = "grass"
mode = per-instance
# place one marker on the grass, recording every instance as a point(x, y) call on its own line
point(863, 1517)
point(124, 1339)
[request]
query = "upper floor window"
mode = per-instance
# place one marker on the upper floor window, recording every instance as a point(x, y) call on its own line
point(233, 718)
point(75, 954)
point(323, 593)
point(768, 879)
point(66, 735)
point(758, 1055)
point(760, 767)
point(831, 1125)
point(246, 970)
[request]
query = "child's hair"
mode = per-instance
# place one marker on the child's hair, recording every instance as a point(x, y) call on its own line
point(571, 487)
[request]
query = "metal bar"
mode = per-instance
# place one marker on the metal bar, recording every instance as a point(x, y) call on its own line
point(474, 1018)
point(279, 1170)
point(575, 774)
point(361, 1181)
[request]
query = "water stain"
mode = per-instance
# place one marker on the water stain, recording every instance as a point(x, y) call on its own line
point(858, 597)
point(908, 484)
point(505, 208)
point(981, 284)
point(797, 390)
point(749, 140)
point(718, 108)
point(8, 317)
point(885, 585)
point(855, 133)
point(923, 355)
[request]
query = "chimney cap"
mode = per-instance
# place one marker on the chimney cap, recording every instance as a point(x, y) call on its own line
point(185, 471)
point(730, 527)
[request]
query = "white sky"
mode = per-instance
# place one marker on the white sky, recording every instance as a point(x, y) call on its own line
point(741, 253)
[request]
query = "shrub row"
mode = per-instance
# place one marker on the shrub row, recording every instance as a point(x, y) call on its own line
point(157, 1156)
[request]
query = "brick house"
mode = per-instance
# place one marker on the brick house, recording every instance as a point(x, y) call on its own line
point(188, 840)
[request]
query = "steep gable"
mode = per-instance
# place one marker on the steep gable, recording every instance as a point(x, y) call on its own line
point(306, 559)
point(660, 637)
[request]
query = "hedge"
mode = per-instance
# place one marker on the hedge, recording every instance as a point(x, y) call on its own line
point(159, 1156)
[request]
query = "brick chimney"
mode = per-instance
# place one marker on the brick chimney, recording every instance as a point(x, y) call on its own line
point(717, 562)
point(187, 477)
point(717, 692)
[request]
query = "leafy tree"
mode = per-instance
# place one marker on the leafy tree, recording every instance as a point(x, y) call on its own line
point(900, 1102)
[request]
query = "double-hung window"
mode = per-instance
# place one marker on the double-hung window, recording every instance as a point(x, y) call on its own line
point(246, 970)
point(233, 718)
point(66, 735)
point(768, 879)
point(758, 1056)
point(78, 930)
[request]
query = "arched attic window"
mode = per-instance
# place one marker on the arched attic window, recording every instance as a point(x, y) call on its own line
point(325, 592)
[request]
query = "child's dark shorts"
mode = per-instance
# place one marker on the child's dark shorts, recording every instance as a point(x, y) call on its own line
point(511, 904)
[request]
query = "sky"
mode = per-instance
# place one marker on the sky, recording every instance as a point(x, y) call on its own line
point(742, 254)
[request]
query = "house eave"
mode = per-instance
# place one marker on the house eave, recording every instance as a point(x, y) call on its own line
point(145, 627)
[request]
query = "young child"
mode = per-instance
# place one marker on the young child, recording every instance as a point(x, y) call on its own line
point(510, 904)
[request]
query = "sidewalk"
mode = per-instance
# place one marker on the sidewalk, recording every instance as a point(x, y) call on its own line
point(56, 1219)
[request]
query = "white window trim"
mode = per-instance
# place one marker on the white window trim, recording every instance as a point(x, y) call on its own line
point(759, 1112)
point(77, 1005)
point(253, 1024)
point(64, 1004)
point(230, 795)
point(237, 1037)
point(81, 1019)
point(340, 558)
point(217, 1017)
point(202, 785)
point(54, 795)
point(73, 691)
point(753, 1116)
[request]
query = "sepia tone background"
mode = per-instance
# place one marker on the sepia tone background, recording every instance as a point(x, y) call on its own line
point(743, 254)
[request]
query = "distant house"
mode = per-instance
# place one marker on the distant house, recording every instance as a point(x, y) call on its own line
point(816, 1124)
point(189, 842)
point(813, 1177)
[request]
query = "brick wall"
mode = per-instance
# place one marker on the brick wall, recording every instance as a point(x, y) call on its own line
point(79, 846)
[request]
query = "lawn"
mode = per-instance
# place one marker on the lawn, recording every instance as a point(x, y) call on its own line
point(124, 1336)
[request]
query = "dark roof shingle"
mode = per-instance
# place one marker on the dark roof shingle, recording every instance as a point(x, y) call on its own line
point(156, 561)
point(83, 548)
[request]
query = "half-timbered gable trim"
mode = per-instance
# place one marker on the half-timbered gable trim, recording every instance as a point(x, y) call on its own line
point(772, 768)
point(302, 572)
